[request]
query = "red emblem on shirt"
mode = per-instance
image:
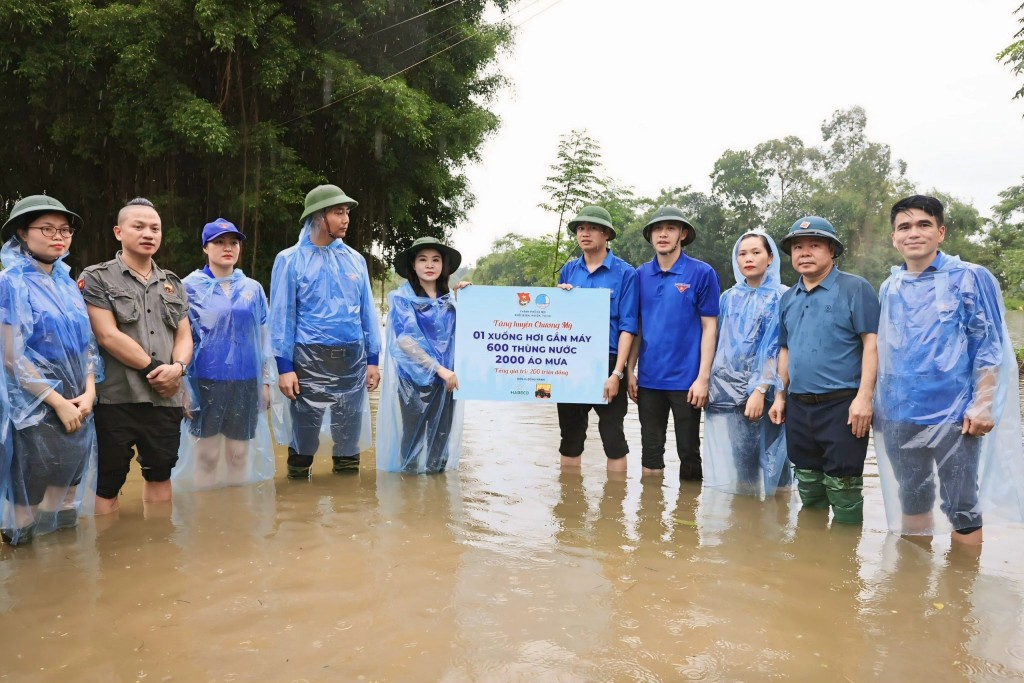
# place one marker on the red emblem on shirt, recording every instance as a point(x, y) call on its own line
point(524, 298)
point(81, 284)
point(682, 287)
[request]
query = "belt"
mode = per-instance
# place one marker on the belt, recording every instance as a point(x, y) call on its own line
point(823, 398)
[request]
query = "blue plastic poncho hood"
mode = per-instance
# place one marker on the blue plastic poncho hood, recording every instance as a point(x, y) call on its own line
point(744, 456)
point(419, 423)
point(748, 327)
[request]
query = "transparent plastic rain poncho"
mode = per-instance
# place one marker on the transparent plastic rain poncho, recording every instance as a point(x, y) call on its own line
point(226, 441)
point(323, 322)
point(47, 343)
point(419, 423)
point(743, 456)
point(944, 353)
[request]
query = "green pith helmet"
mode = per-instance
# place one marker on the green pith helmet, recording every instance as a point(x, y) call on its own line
point(28, 208)
point(594, 215)
point(325, 196)
point(811, 226)
point(674, 214)
point(404, 259)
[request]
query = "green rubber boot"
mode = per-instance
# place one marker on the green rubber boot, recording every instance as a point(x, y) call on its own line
point(846, 495)
point(346, 465)
point(299, 472)
point(811, 489)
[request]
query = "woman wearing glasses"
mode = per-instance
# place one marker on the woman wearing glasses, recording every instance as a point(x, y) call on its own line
point(52, 365)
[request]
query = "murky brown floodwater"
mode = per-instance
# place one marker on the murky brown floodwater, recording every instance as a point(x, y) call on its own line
point(505, 571)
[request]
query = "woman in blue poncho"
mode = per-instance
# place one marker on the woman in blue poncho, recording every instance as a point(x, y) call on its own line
point(52, 366)
point(225, 437)
point(746, 453)
point(419, 423)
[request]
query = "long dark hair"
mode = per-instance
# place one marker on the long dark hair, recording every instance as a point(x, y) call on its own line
point(442, 279)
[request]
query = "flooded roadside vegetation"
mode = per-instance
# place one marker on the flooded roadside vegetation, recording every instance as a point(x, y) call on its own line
point(506, 570)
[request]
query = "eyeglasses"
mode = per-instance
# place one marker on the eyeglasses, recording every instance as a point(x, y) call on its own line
point(51, 230)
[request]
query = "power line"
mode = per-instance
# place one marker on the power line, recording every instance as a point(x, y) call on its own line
point(425, 59)
point(388, 28)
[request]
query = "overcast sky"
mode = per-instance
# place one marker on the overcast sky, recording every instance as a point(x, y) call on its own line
point(666, 86)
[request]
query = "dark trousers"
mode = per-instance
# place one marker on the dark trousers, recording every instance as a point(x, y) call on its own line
point(572, 421)
point(818, 438)
point(427, 414)
point(918, 452)
point(654, 406)
point(330, 378)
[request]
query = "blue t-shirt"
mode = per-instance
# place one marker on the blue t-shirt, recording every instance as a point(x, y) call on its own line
point(822, 330)
point(939, 330)
point(672, 302)
point(619, 277)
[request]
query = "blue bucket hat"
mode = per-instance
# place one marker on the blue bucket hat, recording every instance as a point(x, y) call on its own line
point(218, 227)
point(811, 226)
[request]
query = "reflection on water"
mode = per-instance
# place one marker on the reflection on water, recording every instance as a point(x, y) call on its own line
point(508, 570)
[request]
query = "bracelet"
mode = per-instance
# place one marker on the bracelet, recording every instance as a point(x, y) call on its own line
point(153, 365)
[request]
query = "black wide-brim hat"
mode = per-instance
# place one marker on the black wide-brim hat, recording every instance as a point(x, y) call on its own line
point(404, 259)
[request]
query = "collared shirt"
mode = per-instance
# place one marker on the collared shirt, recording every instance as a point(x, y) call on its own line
point(148, 313)
point(619, 278)
point(822, 330)
point(939, 331)
point(321, 295)
point(672, 303)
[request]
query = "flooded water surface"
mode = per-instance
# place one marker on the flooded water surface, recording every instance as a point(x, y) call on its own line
point(507, 570)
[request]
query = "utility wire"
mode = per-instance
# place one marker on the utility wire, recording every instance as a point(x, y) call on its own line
point(388, 28)
point(425, 59)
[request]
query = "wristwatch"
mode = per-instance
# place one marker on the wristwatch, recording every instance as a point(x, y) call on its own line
point(763, 390)
point(184, 368)
point(618, 374)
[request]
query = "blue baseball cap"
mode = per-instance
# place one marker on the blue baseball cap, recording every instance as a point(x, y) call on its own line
point(812, 226)
point(212, 231)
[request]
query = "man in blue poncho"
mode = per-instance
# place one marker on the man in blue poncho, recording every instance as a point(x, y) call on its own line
point(946, 380)
point(325, 337)
point(828, 358)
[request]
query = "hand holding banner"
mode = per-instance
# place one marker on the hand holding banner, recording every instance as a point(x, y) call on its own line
point(532, 344)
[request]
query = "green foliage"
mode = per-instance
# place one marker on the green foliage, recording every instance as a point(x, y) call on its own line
point(1013, 54)
point(848, 179)
point(573, 184)
point(519, 260)
point(237, 108)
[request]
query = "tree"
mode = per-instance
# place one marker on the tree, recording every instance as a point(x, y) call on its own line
point(237, 108)
point(857, 183)
point(740, 185)
point(516, 260)
point(1013, 54)
point(1003, 252)
point(573, 184)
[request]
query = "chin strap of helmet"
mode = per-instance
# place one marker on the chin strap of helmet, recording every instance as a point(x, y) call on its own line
point(41, 259)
